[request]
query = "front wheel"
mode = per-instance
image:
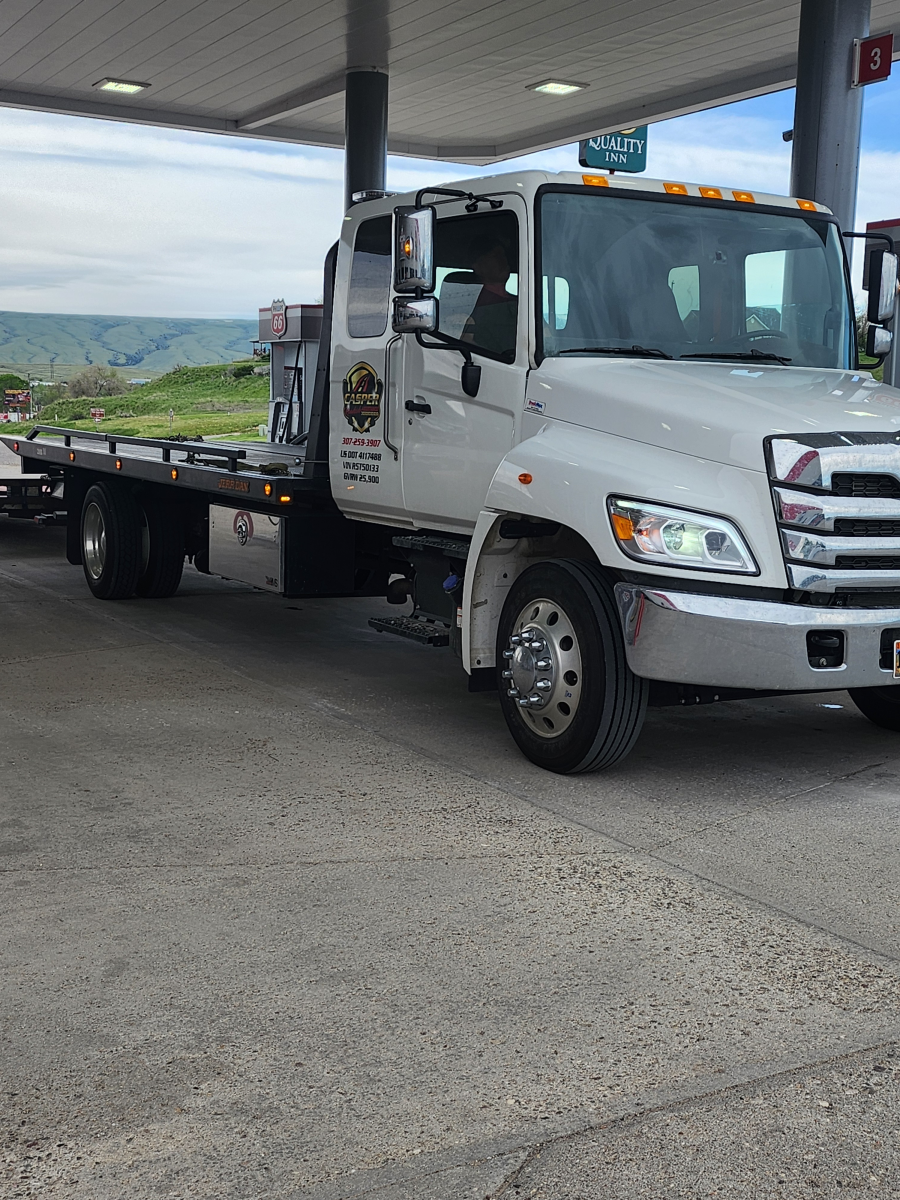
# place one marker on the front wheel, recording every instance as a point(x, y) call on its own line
point(569, 698)
point(880, 704)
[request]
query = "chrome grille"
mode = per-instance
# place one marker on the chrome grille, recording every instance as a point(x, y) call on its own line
point(865, 485)
point(837, 501)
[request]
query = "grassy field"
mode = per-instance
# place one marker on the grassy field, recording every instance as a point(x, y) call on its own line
point(207, 402)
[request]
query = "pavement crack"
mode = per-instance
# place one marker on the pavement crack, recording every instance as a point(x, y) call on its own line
point(829, 1060)
point(763, 806)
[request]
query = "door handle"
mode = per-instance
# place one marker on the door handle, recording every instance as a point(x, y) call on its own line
point(415, 406)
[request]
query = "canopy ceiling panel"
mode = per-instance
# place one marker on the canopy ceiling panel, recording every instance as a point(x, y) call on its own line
point(461, 70)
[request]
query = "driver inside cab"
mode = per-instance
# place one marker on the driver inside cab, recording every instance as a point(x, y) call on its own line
point(492, 322)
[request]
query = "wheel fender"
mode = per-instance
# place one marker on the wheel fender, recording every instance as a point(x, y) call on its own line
point(564, 474)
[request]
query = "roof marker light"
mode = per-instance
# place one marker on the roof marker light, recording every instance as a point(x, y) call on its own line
point(595, 180)
point(556, 87)
point(807, 205)
point(744, 197)
point(676, 189)
point(711, 193)
point(126, 87)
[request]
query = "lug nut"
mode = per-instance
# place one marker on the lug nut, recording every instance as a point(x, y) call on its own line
point(543, 685)
point(506, 674)
point(509, 653)
point(537, 644)
point(516, 639)
point(534, 699)
point(544, 664)
point(524, 702)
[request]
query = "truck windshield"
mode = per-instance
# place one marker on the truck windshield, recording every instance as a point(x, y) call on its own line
point(691, 280)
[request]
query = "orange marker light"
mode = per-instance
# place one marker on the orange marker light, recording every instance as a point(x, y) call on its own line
point(525, 477)
point(284, 499)
point(15, 446)
point(595, 180)
point(71, 456)
point(711, 193)
point(174, 472)
point(807, 205)
point(744, 197)
point(676, 189)
point(118, 464)
point(623, 526)
point(268, 489)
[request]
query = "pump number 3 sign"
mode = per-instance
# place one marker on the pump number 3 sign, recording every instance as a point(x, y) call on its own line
point(872, 59)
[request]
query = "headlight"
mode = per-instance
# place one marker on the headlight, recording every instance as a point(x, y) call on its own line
point(655, 533)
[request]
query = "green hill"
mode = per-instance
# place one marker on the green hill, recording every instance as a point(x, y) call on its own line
point(207, 401)
point(134, 344)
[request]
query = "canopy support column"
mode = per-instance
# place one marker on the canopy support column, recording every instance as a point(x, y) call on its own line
point(827, 110)
point(365, 133)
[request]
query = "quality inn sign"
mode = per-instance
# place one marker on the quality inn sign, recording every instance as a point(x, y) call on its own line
point(622, 151)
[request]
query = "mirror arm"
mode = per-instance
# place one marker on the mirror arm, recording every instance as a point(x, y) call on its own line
point(456, 194)
point(873, 236)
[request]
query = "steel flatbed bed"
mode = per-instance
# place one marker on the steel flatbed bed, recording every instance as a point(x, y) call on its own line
point(267, 474)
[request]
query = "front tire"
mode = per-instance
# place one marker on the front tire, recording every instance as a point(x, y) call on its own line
point(569, 698)
point(110, 541)
point(880, 704)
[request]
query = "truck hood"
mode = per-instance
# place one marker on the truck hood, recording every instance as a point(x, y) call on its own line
point(716, 411)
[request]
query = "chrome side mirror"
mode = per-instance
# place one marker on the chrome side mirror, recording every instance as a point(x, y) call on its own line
point(882, 285)
point(878, 341)
point(414, 249)
point(414, 316)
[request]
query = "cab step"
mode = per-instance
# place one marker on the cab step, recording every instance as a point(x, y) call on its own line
point(417, 629)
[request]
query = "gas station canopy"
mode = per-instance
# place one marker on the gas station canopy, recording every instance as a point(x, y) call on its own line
point(462, 72)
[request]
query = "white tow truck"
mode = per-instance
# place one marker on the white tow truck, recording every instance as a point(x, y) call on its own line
point(607, 438)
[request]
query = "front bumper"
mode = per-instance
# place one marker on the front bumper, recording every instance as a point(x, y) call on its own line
point(683, 637)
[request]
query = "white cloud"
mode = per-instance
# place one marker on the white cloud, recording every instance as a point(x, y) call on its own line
point(108, 218)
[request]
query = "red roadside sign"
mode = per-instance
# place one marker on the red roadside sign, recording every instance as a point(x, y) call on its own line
point(872, 59)
point(98, 413)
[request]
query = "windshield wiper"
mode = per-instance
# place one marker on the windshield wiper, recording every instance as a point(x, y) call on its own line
point(743, 355)
point(631, 351)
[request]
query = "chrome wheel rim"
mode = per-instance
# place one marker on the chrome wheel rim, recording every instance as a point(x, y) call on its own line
point(542, 667)
point(94, 538)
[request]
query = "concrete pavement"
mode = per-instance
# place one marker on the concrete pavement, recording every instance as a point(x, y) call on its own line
point(286, 914)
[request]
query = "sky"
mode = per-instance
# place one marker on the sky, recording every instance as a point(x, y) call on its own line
point(107, 218)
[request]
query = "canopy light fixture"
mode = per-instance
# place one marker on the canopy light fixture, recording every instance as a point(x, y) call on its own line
point(126, 86)
point(556, 87)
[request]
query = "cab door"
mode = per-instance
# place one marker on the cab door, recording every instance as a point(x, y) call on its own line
point(366, 368)
point(453, 443)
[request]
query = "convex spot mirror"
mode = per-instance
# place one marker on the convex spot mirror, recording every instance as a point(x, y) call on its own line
point(882, 285)
point(414, 316)
point(878, 342)
point(414, 249)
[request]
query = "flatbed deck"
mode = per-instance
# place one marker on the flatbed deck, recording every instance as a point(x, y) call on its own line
point(268, 474)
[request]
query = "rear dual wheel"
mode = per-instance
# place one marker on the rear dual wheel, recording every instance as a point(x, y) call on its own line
point(127, 548)
point(569, 698)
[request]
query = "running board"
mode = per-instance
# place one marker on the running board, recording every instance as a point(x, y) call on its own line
point(426, 633)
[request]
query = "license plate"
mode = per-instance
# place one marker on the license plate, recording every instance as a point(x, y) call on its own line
point(897, 659)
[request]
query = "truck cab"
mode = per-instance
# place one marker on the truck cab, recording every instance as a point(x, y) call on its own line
point(670, 436)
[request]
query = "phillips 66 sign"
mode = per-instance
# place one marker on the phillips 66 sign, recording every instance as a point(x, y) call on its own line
point(279, 319)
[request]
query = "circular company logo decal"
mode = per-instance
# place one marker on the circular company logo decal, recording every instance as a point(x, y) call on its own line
point(243, 527)
point(362, 397)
